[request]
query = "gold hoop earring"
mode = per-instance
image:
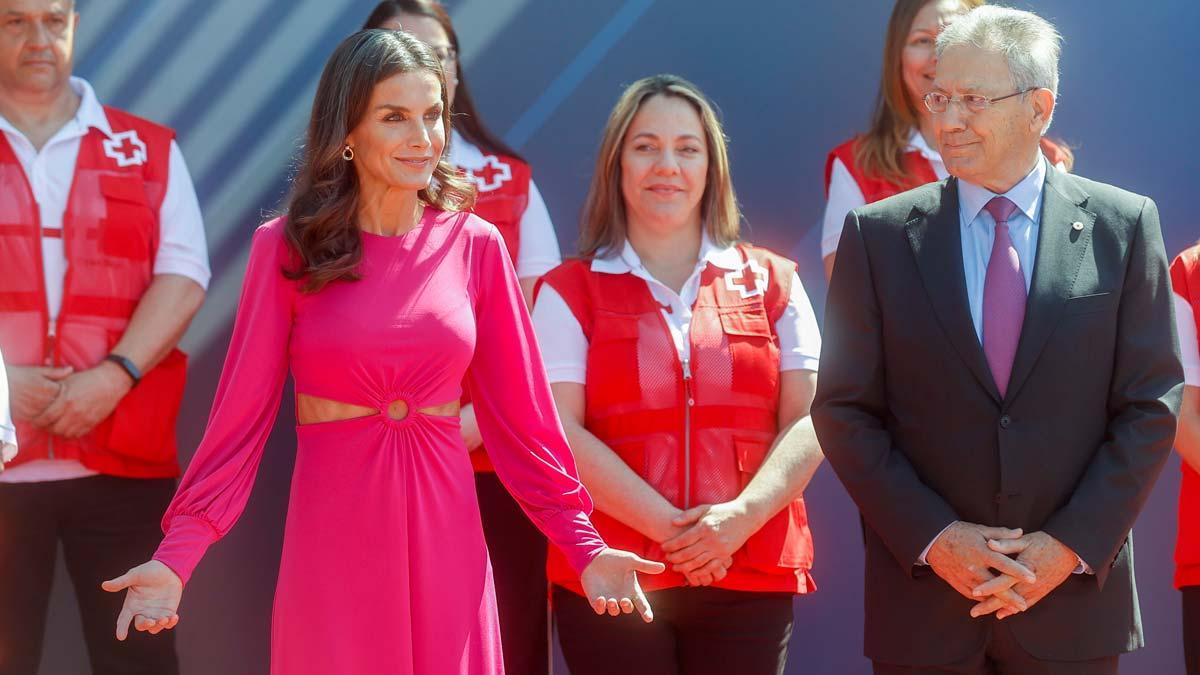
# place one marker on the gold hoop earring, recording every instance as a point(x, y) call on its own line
point(348, 153)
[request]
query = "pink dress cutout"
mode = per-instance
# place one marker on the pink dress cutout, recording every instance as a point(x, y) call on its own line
point(384, 566)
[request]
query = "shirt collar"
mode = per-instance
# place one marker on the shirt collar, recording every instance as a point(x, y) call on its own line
point(1026, 194)
point(726, 257)
point(916, 142)
point(90, 114)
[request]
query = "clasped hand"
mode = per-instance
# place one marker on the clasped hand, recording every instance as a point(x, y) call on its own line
point(977, 561)
point(64, 402)
point(711, 534)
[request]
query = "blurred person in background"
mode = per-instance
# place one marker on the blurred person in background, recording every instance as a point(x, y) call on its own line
point(1185, 279)
point(104, 265)
point(683, 362)
point(899, 151)
point(507, 197)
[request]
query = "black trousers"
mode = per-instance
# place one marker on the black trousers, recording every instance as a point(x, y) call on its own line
point(1191, 629)
point(696, 631)
point(518, 553)
point(1003, 655)
point(106, 525)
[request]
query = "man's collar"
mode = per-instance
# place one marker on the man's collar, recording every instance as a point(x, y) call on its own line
point(1026, 194)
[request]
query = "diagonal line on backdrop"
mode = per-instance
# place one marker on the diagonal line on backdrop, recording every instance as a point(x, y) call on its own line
point(569, 79)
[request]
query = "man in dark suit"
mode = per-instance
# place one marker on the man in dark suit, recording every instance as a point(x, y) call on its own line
point(999, 382)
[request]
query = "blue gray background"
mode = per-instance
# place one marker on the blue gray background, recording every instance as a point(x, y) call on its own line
point(792, 77)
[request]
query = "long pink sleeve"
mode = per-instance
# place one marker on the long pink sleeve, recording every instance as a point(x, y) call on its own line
point(217, 483)
point(516, 414)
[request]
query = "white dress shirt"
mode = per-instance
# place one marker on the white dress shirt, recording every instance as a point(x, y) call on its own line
point(845, 195)
point(537, 252)
point(564, 346)
point(181, 250)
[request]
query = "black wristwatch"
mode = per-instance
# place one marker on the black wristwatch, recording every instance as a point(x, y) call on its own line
point(126, 365)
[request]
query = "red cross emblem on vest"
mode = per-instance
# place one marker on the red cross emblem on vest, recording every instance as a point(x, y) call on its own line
point(491, 175)
point(749, 280)
point(126, 148)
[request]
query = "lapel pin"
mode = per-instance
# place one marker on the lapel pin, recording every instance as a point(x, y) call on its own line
point(1077, 226)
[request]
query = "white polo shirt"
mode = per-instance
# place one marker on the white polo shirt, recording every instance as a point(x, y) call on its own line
point(564, 346)
point(181, 250)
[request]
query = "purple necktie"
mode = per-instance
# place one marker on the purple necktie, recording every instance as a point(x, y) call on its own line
point(1003, 297)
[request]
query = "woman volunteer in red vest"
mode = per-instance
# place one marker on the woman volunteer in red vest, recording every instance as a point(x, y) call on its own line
point(899, 152)
point(508, 198)
point(683, 363)
point(1185, 278)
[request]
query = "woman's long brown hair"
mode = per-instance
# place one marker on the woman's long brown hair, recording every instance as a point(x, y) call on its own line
point(322, 228)
point(466, 117)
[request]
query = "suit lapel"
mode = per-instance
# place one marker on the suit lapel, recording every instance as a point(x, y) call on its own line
point(1061, 249)
point(936, 242)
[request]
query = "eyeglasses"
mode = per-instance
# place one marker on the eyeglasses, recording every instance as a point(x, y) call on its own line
point(939, 103)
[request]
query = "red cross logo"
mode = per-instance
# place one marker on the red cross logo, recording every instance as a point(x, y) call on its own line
point(126, 148)
point(749, 281)
point(491, 175)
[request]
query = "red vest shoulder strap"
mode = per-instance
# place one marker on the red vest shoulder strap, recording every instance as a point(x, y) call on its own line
point(570, 281)
point(121, 120)
point(1185, 276)
point(844, 152)
point(588, 293)
point(157, 139)
point(779, 285)
point(918, 171)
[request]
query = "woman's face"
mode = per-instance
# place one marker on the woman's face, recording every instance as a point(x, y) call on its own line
point(918, 60)
point(428, 30)
point(664, 165)
point(399, 140)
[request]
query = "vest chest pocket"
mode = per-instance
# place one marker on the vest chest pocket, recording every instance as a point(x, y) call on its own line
point(753, 348)
point(127, 229)
point(612, 365)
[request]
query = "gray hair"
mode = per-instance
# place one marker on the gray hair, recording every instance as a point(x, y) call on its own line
point(1029, 43)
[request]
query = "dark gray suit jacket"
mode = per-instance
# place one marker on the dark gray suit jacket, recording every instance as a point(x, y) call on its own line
point(912, 422)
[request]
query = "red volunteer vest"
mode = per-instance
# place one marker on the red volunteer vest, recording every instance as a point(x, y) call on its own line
point(697, 431)
point(1185, 278)
point(110, 236)
point(502, 195)
point(917, 169)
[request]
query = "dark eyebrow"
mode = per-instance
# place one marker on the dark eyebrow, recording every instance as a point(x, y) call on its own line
point(400, 108)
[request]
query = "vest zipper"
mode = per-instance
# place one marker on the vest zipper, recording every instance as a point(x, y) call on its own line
point(687, 433)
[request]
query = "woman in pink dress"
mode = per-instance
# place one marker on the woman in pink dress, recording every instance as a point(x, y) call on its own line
point(377, 292)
